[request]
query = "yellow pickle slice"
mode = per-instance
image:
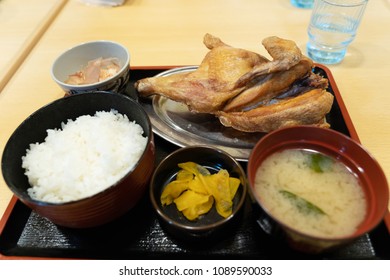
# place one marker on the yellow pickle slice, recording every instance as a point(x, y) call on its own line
point(195, 190)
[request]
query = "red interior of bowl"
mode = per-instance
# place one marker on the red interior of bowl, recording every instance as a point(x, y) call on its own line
point(341, 147)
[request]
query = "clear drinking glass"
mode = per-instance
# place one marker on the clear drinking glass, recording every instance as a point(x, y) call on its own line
point(332, 28)
point(306, 4)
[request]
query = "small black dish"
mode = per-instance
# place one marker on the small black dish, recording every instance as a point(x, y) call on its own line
point(210, 224)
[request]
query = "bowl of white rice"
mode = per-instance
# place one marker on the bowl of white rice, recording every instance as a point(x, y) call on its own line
point(83, 160)
point(316, 187)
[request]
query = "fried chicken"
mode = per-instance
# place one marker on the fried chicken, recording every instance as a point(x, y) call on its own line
point(207, 89)
point(247, 91)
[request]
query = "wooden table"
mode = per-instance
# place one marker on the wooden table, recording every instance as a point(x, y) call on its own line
point(170, 32)
point(21, 27)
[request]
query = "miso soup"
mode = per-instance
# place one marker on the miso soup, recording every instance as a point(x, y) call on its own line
point(311, 192)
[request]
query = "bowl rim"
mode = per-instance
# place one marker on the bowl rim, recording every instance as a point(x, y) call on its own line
point(356, 233)
point(25, 197)
point(125, 66)
point(158, 208)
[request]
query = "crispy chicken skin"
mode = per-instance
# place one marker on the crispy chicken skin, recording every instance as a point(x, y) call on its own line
point(306, 109)
point(247, 91)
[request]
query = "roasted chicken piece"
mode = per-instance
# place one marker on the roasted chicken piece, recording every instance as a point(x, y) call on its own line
point(208, 88)
point(247, 91)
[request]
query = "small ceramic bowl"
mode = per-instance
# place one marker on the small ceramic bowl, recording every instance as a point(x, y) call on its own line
point(340, 147)
point(74, 59)
point(97, 209)
point(210, 224)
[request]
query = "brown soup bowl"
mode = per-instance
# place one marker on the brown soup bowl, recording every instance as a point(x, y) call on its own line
point(341, 148)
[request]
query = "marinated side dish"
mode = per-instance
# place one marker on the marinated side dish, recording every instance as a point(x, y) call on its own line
point(195, 190)
point(311, 192)
point(95, 71)
point(84, 157)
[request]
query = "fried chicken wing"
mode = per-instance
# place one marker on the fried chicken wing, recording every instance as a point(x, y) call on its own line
point(285, 54)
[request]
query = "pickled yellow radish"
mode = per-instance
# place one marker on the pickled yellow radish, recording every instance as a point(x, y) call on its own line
point(195, 190)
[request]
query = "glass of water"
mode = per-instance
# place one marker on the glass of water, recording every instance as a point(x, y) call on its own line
point(305, 4)
point(332, 28)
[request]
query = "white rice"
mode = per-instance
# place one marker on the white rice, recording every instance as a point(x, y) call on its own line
point(336, 191)
point(83, 158)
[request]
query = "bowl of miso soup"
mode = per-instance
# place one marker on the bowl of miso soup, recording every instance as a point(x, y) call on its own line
point(319, 187)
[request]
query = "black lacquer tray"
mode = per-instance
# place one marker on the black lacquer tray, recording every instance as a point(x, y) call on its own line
point(138, 234)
